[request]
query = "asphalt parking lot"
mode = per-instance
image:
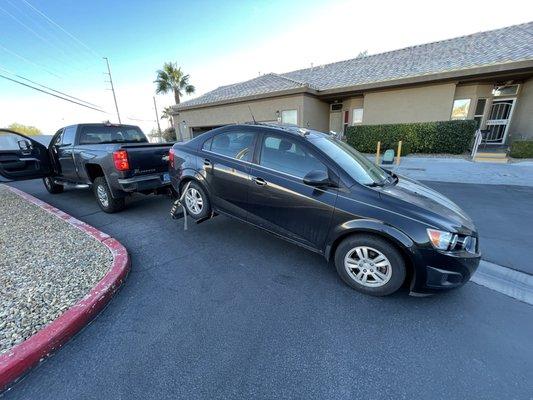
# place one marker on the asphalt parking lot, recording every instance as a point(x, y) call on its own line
point(227, 311)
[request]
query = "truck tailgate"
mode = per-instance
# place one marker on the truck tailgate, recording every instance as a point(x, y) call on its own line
point(148, 158)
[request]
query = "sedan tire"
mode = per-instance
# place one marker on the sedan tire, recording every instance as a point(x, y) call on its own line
point(370, 265)
point(196, 201)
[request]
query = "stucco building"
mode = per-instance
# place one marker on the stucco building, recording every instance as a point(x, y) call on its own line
point(487, 76)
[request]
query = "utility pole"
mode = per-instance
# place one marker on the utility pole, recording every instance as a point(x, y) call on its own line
point(157, 118)
point(112, 88)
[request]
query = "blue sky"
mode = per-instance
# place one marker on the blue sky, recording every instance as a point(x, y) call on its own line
point(137, 36)
point(216, 42)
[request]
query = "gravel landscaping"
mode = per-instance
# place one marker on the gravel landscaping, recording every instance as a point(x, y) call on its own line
point(46, 266)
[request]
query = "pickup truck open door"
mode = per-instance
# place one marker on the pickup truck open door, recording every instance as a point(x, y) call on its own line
point(22, 158)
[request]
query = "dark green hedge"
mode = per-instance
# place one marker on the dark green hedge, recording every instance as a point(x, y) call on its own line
point(522, 149)
point(453, 137)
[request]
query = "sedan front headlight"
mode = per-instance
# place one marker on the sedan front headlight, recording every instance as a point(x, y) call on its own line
point(442, 240)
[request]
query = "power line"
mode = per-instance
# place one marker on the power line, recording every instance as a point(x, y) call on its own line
point(140, 120)
point(43, 28)
point(48, 88)
point(42, 38)
point(51, 21)
point(52, 94)
point(30, 62)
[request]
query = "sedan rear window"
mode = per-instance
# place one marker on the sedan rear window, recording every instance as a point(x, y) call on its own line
point(238, 145)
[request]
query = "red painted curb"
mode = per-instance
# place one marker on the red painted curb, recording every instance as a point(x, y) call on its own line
point(17, 361)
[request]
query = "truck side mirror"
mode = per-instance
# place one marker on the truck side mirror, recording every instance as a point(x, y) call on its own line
point(25, 146)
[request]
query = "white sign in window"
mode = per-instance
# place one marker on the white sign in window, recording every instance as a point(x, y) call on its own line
point(289, 117)
point(357, 116)
point(460, 108)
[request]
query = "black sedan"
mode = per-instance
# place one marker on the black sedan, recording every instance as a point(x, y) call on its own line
point(381, 229)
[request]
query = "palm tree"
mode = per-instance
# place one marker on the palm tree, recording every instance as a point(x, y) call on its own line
point(167, 114)
point(172, 79)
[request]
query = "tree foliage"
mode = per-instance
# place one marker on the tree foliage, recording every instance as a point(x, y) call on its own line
point(172, 79)
point(24, 129)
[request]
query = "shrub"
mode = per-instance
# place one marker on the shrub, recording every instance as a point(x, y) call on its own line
point(452, 137)
point(522, 149)
point(169, 135)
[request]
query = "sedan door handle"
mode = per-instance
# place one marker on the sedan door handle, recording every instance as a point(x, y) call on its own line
point(207, 163)
point(259, 181)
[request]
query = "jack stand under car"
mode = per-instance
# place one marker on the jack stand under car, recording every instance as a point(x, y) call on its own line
point(178, 210)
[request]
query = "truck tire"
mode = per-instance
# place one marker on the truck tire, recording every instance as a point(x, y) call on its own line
point(51, 186)
point(370, 264)
point(105, 199)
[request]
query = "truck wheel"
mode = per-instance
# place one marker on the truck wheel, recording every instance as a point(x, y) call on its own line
point(196, 201)
point(105, 199)
point(370, 265)
point(51, 186)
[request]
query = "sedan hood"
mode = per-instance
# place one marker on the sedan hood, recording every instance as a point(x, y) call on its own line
point(417, 194)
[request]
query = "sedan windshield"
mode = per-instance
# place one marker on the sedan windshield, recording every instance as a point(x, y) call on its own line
point(354, 163)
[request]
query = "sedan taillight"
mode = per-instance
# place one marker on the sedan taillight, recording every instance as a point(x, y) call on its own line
point(120, 159)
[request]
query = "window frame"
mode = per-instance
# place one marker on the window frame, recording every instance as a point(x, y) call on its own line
point(467, 109)
point(291, 109)
point(65, 129)
point(362, 116)
point(482, 115)
point(309, 149)
point(57, 138)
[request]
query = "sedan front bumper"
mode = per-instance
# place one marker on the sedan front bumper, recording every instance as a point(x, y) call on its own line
point(436, 271)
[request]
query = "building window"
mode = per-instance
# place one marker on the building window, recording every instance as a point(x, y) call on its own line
point(460, 108)
point(346, 121)
point(357, 116)
point(510, 90)
point(289, 117)
point(480, 111)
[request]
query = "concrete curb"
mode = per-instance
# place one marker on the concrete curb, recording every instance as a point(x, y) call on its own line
point(26, 355)
point(510, 282)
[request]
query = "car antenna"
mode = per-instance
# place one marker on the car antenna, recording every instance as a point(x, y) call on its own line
point(252, 114)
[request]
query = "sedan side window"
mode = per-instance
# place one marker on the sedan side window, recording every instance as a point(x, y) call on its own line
point(238, 145)
point(288, 156)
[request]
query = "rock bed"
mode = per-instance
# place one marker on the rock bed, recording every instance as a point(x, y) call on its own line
point(46, 266)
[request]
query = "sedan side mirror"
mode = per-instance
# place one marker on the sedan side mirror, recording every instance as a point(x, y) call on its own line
point(318, 178)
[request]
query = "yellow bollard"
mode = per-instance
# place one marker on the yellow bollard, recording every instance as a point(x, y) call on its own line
point(377, 153)
point(399, 152)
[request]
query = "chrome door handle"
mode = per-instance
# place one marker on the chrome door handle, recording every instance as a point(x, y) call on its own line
point(259, 181)
point(207, 163)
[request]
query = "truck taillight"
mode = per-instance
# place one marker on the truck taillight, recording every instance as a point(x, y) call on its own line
point(120, 158)
point(171, 158)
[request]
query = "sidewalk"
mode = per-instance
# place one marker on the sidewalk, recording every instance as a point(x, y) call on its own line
point(52, 285)
point(464, 171)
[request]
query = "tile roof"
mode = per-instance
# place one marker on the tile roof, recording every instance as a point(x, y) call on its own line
point(500, 46)
point(261, 85)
